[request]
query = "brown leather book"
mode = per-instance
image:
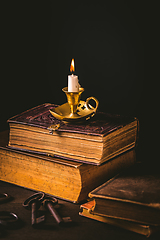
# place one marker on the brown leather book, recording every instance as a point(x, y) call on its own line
point(133, 196)
point(95, 141)
point(62, 178)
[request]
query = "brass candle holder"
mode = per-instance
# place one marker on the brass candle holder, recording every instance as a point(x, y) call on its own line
point(73, 100)
point(75, 110)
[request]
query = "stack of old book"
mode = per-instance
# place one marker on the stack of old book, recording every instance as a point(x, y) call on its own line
point(70, 161)
point(130, 200)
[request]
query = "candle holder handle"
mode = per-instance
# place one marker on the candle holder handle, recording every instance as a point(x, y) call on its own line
point(91, 107)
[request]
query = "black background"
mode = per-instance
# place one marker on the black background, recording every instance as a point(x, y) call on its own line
point(114, 46)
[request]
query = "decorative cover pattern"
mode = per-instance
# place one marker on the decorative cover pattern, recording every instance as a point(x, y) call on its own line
point(100, 124)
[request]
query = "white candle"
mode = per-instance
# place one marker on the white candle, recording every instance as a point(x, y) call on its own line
point(73, 85)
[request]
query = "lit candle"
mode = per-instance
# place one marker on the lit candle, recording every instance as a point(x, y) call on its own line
point(73, 85)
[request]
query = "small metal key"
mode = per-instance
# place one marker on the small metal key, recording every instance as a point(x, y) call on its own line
point(49, 203)
point(33, 203)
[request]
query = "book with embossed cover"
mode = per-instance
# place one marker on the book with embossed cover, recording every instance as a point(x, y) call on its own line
point(95, 141)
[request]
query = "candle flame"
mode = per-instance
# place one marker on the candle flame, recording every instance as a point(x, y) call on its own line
point(72, 68)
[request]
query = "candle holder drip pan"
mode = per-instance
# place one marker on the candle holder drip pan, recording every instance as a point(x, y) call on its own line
point(84, 111)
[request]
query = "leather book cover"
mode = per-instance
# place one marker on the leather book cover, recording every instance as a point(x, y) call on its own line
point(139, 185)
point(132, 196)
point(101, 124)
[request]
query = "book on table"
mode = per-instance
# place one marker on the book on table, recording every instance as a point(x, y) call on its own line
point(62, 178)
point(96, 141)
point(133, 196)
point(87, 210)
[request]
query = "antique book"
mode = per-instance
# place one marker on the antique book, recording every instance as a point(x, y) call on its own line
point(94, 141)
point(65, 179)
point(133, 196)
point(87, 211)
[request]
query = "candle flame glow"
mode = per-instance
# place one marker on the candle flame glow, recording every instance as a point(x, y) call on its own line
point(72, 69)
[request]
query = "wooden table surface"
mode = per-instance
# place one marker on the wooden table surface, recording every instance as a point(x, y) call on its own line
point(81, 228)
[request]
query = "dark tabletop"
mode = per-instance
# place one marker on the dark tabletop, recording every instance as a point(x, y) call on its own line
point(81, 227)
